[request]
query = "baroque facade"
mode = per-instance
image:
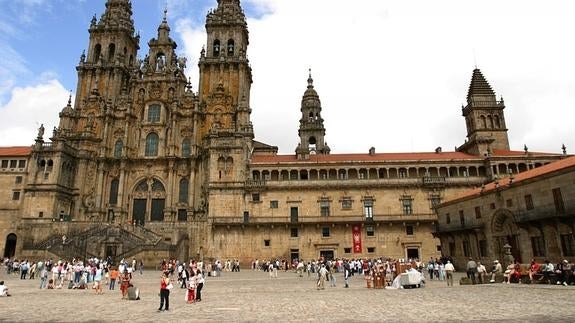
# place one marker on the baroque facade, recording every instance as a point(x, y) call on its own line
point(143, 166)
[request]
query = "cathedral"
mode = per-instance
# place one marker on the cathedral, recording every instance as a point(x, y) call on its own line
point(142, 166)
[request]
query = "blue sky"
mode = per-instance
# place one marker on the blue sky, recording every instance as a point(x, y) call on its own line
point(391, 74)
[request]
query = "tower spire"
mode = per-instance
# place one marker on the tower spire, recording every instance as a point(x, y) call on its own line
point(311, 128)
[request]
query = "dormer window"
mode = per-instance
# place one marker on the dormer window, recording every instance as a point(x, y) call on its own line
point(216, 48)
point(230, 47)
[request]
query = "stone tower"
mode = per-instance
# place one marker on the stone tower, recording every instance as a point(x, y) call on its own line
point(484, 119)
point(311, 130)
point(225, 131)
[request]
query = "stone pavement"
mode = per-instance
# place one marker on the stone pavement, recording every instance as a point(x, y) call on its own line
point(252, 296)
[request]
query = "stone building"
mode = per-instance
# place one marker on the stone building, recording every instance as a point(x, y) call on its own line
point(143, 166)
point(533, 212)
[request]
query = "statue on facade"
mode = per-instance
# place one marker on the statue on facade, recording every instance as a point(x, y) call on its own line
point(41, 132)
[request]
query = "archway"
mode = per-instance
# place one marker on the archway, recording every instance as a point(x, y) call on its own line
point(149, 200)
point(10, 246)
point(505, 231)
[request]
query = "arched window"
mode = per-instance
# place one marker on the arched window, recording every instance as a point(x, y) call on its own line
point(154, 113)
point(114, 185)
point(111, 52)
point(152, 141)
point(482, 122)
point(97, 52)
point(186, 151)
point(490, 122)
point(497, 122)
point(183, 196)
point(216, 48)
point(118, 148)
point(230, 47)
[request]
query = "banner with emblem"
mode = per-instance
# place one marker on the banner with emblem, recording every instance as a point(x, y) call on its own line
point(356, 233)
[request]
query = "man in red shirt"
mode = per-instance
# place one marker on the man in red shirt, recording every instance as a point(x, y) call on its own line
point(534, 268)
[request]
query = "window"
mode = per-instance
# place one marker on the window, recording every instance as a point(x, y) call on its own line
point(216, 47)
point(294, 232)
point(118, 146)
point(15, 195)
point(558, 200)
point(346, 250)
point(478, 212)
point(402, 173)
point(152, 141)
point(346, 203)
point(438, 248)
point(186, 150)
point(183, 191)
point(447, 219)
point(482, 248)
point(114, 186)
point(368, 208)
point(40, 214)
point(266, 243)
point(273, 204)
point(409, 230)
point(538, 246)
point(466, 248)
point(435, 200)
point(492, 206)
point(461, 217)
point(21, 163)
point(370, 249)
point(230, 47)
point(246, 216)
point(324, 207)
point(406, 204)
point(509, 203)
point(154, 113)
point(13, 163)
point(293, 214)
point(528, 202)
point(568, 245)
point(4, 164)
point(255, 197)
point(370, 231)
point(18, 179)
point(182, 215)
point(325, 232)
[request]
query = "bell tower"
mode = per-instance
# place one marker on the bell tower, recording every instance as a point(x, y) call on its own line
point(484, 119)
point(225, 129)
point(311, 129)
point(112, 51)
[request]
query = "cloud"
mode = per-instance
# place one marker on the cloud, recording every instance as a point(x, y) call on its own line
point(28, 108)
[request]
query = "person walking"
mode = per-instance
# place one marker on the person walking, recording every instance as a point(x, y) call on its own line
point(113, 277)
point(322, 276)
point(200, 285)
point(471, 270)
point(449, 269)
point(165, 286)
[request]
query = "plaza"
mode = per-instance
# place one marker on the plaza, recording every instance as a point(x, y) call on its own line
point(253, 296)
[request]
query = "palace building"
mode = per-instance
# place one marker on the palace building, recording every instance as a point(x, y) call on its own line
point(143, 166)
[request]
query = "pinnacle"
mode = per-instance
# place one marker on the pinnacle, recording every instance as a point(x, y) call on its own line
point(479, 85)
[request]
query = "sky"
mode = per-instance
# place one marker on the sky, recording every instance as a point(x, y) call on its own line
point(390, 74)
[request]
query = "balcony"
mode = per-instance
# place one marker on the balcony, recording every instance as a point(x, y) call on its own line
point(254, 220)
point(255, 184)
point(545, 212)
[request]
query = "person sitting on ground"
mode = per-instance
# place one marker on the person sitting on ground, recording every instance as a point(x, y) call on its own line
point(497, 270)
point(51, 284)
point(534, 269)
point(548, 271)
point(4, 289)
point(565, 271)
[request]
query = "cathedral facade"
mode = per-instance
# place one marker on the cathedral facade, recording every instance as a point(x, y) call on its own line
point(143, 166)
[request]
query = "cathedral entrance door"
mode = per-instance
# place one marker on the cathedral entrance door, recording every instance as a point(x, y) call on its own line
point(139, 211)
point(326, 254)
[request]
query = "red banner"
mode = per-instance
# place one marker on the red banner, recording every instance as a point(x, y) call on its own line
point(356, 232)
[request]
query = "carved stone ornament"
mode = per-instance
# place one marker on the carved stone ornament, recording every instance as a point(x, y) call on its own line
point(156, 91)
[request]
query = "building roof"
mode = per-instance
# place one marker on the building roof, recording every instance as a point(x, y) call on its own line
point(15, 151)
point(327, 158)
point(505, 183)
point(382, 157)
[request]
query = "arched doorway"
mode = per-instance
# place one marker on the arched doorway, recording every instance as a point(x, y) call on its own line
point(505, 231)
point(149, 201)
point(10, 246)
